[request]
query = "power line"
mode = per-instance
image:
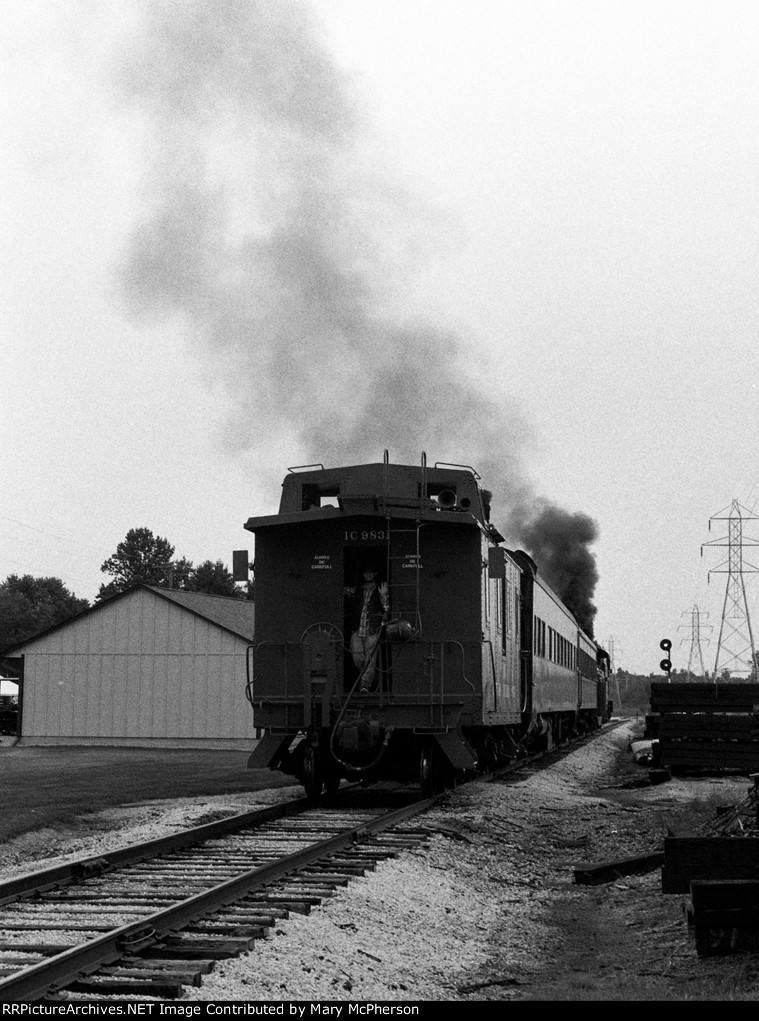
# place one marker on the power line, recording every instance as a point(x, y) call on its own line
point(51, 535)
point(62, 577)
point(97, 549)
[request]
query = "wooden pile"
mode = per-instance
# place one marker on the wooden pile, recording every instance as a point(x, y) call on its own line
point(720, 872)
point(705, 727)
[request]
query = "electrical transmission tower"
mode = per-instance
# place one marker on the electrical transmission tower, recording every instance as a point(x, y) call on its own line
point(735, 646)
point(613, 669)
point(696, 657)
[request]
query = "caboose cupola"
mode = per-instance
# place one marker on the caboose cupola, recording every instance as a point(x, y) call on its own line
point(312, 492)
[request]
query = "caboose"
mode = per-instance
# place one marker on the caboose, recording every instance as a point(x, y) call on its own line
point(391, 631)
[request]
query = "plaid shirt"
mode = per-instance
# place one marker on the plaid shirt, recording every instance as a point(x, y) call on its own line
point(363, 627)
point(368, 620)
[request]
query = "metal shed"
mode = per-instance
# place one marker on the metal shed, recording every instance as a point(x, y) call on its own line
point(147, 667)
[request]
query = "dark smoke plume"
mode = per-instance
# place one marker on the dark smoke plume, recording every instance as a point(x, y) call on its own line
point(559, 544)
point(268, 234)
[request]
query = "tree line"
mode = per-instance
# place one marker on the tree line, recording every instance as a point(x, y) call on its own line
point(30, 605)
point(631, 693)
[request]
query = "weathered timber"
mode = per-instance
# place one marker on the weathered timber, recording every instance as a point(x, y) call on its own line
point(705, 727)
point(709, 726)
point(725, 895)
point(110, 987)
point(707, 858)
point(718, 940)
point(187, 951)
point(251, 932)
point(718, 698)
point(208, 948)
point(725, 916)
point(608, 871)
point(44, 949)
point(709, 755)
point(652, 725)
point(160, 960)
point(184, 976)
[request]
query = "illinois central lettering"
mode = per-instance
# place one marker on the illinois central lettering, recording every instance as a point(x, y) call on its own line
point(364, 535)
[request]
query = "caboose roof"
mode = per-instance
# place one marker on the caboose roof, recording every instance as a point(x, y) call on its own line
point(435, 493)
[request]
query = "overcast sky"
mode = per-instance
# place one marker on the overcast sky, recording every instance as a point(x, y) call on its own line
point(522, 236)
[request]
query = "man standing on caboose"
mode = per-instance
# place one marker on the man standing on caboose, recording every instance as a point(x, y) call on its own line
point(368, 613)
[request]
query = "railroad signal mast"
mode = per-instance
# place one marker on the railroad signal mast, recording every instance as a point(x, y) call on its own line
point(735, 647)
point(666, 663)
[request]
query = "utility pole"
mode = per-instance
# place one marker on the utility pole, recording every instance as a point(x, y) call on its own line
point(695, 642)
point(735, 646)
point(613, 668)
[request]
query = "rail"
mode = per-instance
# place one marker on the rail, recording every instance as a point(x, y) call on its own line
point(151, 934)
point(43, 978)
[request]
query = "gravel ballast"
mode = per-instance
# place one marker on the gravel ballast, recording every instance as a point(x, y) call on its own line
point(487, 908)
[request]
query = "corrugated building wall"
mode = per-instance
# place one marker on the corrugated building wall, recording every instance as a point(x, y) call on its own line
point(140, 669)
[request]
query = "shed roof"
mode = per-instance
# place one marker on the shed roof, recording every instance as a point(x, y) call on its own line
point(227, 612)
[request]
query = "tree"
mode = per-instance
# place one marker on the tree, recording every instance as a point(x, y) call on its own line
point(141, 557)
point(146, 558)
point(181, 574)
point(215, 579)
point(31, 605)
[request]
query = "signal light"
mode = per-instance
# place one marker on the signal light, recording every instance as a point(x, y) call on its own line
point(665, 644)
point(666, 665)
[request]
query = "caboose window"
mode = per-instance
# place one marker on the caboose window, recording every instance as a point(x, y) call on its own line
point(442, 493)
point(314, 496)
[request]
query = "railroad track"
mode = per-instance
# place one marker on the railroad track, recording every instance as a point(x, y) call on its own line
point(151, 919)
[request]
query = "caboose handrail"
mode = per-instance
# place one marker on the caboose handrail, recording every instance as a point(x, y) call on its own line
point(248, 678)
point(250, 661)
point(452, 464)
point(493, 673)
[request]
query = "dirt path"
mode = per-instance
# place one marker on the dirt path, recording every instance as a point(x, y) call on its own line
point(621, 940)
